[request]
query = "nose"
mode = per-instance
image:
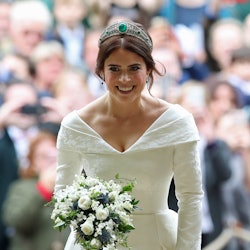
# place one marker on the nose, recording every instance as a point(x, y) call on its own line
point(124, 77)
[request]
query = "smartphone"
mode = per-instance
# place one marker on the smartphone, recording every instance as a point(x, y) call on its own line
point(33, 109)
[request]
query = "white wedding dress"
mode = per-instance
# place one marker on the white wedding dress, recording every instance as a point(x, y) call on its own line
point(169, 146)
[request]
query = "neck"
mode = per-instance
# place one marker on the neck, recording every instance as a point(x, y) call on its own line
point(124, 110)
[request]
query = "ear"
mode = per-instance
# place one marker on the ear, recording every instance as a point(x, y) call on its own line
point(149, 72)
point(102, 75)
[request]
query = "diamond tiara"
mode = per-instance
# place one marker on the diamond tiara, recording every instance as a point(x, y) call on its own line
point(126, 28)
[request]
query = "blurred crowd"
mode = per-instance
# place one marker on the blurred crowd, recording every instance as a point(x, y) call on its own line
point(48, 52)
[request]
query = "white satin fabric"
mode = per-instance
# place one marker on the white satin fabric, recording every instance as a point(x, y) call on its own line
point(167, 148)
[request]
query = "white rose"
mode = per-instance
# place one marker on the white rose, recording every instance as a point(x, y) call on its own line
point(84, 202)
point(125, 218)
point(59, 222)
point(127, 205)
point(102, 213)
point(96, 243)
point(113, 195)
point(87, 227)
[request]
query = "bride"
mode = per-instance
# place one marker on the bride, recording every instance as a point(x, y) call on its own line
point(130, 132)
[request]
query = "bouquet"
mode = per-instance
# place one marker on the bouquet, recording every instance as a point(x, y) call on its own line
point(100, 212)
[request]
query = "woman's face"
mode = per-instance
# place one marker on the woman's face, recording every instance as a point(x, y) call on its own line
point(125, 74)
point(44, 155)
point(222, 102)
point(48, 69)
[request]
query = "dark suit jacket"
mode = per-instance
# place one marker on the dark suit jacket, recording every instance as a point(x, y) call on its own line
point(8, 173)
point(217, 171)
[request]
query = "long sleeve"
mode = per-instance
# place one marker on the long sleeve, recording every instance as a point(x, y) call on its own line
point(187, 176)
point(69, 162)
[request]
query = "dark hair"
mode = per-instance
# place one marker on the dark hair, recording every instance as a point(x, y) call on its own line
point(130, 43)
point(215, 81)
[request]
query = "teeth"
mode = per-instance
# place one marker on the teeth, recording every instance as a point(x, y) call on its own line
point(125, 88)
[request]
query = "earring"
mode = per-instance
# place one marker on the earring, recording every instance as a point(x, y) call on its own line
point(102, 79)
point(147, 79)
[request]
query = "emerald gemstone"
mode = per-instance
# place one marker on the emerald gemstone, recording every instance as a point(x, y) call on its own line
point(123, 27)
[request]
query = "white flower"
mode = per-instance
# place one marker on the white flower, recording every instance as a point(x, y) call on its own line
point(87, 227)
point(58, 221)
point(95, 243)
point(96, 208)
point(113, 195)
point(84, 202)
point(102, 213)
point(109, 248)
point(128, 206)
point(125, 218)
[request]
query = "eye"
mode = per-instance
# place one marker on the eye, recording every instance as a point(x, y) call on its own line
point(135, 67)
point(114, 68)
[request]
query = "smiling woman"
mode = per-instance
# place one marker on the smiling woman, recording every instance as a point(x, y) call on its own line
point(126, 74)
point(130, 132)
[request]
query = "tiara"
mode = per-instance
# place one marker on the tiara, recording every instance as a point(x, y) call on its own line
point(128, 29)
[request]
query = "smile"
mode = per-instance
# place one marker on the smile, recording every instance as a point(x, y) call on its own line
point(125, 89)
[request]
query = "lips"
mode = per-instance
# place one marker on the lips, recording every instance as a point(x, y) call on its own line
point(125, 89)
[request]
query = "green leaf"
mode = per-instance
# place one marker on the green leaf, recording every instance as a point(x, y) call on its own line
point(60, 224)
point(134, 202)
point(128, 188)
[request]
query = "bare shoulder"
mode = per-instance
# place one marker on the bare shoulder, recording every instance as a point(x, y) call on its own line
point(90, 112)
point(158, 106)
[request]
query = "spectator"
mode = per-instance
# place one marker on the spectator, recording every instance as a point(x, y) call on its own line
point(16, 129)
point(187, 19)
point(223, 97)
point(30, 225)
point(15, 119)
point(224, 36)
point(30, 20)
point(72, 90)
point(137, 10)
point(166, 87)
point(91, 50)
point(15, 66)
point(130, 10)
point(184, 12)
point(163, 35)
point(238, 73)
point(69, 28)
point(215, 159)
point(5, 8)
point(150, 6)
point(69, 93)
point(95, 84)
point(49, 61)
point(233, 128)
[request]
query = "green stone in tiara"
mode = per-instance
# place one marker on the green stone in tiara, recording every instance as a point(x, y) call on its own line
point(126, 28)
point(123, 27)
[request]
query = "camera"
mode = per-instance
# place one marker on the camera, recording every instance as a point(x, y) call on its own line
point(33, 109)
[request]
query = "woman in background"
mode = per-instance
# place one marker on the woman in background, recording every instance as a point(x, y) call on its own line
point(24, 209)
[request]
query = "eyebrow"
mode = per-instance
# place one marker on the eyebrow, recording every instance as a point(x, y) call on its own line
point(134, 64)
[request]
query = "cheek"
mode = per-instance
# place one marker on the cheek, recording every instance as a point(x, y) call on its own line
point(140, 78)
point(109, 79)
